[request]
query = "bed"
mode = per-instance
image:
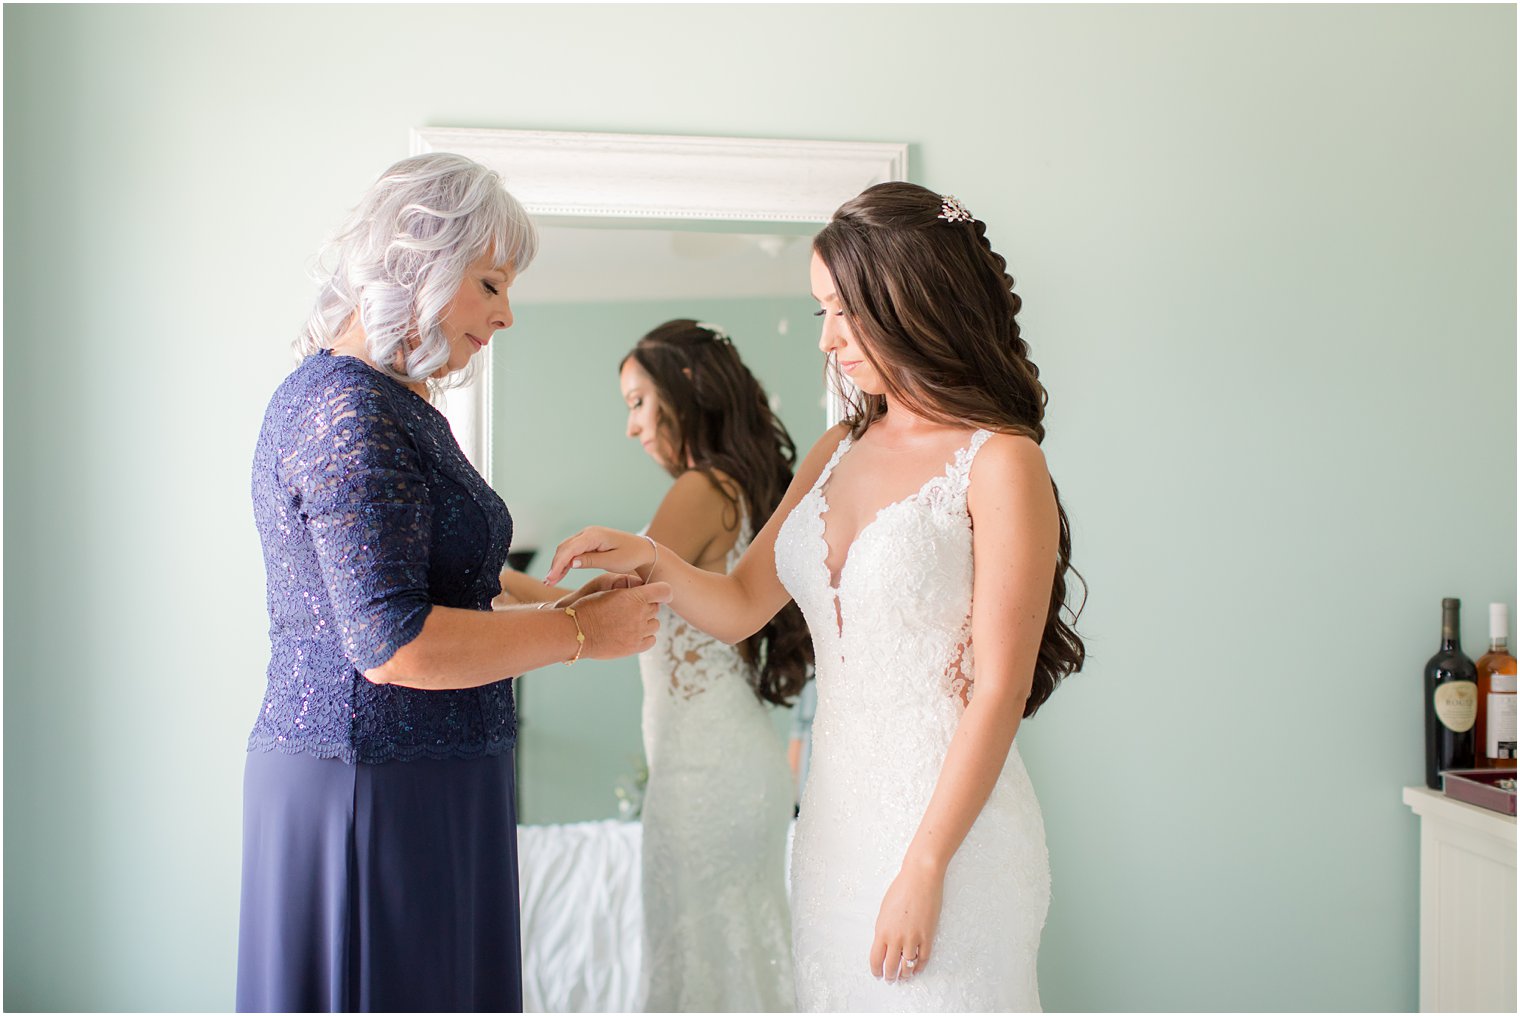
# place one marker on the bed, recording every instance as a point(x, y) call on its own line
point(582, 920)
point(582, 916)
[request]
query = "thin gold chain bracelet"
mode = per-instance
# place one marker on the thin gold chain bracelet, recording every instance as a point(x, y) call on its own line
point(580, 636)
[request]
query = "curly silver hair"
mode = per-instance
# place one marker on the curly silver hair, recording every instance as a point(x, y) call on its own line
point(401, 256)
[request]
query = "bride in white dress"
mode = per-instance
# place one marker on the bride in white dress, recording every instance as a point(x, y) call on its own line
point(925, 543)
point(719, 800)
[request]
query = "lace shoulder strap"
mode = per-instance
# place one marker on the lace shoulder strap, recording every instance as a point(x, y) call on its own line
point(828, 467)
point(960, 472)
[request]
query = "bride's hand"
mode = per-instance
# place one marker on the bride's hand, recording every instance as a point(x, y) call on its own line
point(906, 924)
point(600, 584)
point(597, 547)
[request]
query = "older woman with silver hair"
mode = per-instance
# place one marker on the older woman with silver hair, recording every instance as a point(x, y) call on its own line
point(379, 832)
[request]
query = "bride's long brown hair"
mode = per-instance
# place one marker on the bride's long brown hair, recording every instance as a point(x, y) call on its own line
point(719, 418)
point(935, 311)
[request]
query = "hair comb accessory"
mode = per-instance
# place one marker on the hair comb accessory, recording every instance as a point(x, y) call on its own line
point(718, 334)
point(951, 210)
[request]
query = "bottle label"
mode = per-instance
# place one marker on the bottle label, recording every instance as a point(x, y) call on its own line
point(1501, 723)
point(1456, 705)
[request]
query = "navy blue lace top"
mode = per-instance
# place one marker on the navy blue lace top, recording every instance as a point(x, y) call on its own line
point(369, 513)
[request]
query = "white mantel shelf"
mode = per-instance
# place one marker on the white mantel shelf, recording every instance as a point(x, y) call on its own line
point(1467, 905)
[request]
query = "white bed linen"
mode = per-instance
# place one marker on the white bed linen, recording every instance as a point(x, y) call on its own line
point(579, 885)
point(582, 917)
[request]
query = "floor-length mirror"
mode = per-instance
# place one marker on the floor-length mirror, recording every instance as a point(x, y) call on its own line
point(637, 229)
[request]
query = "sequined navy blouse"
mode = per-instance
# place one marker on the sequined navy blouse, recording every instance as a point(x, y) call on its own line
point(369, 514)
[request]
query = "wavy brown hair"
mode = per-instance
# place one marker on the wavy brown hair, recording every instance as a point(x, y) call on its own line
point(719, 419)
point(934, 309)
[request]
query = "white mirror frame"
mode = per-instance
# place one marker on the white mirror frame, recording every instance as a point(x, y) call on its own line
point(656, 177)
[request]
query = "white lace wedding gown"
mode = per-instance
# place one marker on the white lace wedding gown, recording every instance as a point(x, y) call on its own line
point(719, 800)
point(892, 684)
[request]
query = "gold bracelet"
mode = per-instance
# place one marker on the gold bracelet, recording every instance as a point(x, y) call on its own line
point(580, 636)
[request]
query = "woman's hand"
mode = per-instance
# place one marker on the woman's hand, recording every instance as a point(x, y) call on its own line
point(906, 924)
point(600, 584)
point(598, 547)
point(620, 622)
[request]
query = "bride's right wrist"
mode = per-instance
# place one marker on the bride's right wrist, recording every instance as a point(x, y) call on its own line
point(923, 862)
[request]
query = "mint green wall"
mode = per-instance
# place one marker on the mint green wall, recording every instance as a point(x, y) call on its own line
point(561, 460)
point(1268, 259)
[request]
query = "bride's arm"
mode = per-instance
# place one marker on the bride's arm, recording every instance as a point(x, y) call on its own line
point(1014, 544)
point(729, 607)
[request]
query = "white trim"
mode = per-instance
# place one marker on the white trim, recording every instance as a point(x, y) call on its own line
point(653, 176)
point(656, 177)
point(468, 410)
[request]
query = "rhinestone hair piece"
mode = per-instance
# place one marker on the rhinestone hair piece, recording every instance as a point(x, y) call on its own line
point(718, 334)
point(951, 210)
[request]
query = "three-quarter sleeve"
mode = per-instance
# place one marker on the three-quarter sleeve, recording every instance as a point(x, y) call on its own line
point(357, 481)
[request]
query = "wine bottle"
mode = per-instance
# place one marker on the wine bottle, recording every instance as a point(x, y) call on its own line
point(1494, 733)
point(1451, 700)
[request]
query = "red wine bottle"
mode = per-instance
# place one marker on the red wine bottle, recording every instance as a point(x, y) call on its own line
point(1451, 701)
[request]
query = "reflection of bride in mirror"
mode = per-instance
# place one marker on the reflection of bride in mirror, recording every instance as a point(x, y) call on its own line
point(719, 799)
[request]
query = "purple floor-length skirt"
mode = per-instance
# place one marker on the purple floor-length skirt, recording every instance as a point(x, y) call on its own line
point(379, 888)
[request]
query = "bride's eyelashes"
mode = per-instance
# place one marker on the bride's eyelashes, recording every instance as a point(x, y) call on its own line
point(820, 312)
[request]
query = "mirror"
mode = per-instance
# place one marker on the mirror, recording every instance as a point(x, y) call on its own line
point(637, 229)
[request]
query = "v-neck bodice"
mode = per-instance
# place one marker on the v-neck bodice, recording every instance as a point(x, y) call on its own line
point(959, 467)
point(911, 562)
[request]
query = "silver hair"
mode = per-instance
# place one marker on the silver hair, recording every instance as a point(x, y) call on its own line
point(401, 257)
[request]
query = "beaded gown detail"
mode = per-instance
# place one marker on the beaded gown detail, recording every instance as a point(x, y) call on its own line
point(894, 674)
point(716, 810)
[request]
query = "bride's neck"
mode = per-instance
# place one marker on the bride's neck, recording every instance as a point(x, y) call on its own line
point(899, 419)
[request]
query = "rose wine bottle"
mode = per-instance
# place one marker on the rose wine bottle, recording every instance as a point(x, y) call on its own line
point(1451, 700)
point(1494, 733)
